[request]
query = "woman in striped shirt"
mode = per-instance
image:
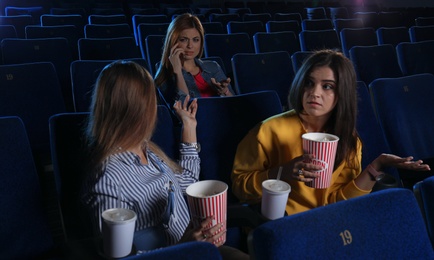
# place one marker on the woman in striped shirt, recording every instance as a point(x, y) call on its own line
point(128, 168)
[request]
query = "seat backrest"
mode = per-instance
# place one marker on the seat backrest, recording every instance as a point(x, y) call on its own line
point(357, 37)
point(227, 45)
point(421, 33)
point(255, 72)
point(373, 140)
point(424, 192)
point(7, 31)
point(288, 17)
point(340, 24)
point(298, 58)
point(108, 49)
point(391, 19)
point(64, 19)
point(224, 18)
point(315, 13)
point(107, 30)
point(70, 32)
point(424, 21)
point(106, 11)
point(146, 29)
point(54, 50)
point(276, 41)
point(206, 11)
point(147, 18)
point(386, 224)
point(263, 17)
point(232, 117)
point(280, 26)
point(23, 223)
point(83, 77)
point(107, 19)
point(173, 11)
point(416, 57)
point(32, 92)
point(401, 104)
point(70, 158)
point(392, 35)
point(68, 10)
point(376, 61)
point(34, 11)
point(249, 27)
point(152, 49)
point(317, 24)
point(337, 12)
point(19, 22)
point(213, 27)
point(319, 39)
point(370, 19)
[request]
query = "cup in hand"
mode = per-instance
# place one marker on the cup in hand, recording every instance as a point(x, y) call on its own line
point(324, 147)
point(208, 198)
point(274, 198)
point(118, 231)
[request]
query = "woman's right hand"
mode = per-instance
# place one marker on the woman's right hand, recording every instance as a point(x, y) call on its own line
point(175, 58)
point(204, 232)
point(186, 112)
point(300, 169)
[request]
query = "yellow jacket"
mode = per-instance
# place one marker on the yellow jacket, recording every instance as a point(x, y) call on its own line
point(276, 141)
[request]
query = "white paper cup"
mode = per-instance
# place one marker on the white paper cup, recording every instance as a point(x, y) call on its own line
point(324, 147)
point(118, 231)
point(208, 198)
point(274, 198)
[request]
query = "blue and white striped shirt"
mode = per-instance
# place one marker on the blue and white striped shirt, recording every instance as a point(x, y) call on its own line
point(145, 189)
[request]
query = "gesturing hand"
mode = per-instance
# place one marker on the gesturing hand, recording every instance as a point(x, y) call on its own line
point(186, 112)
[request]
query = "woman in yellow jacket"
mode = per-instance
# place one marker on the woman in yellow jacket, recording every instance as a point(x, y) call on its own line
point(323, 96)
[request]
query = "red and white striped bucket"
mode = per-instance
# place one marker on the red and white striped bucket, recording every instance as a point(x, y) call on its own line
point(324, 147)
point(208, 198)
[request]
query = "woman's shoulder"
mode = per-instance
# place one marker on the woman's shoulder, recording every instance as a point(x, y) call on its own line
point(207, 64)
point(284, 117)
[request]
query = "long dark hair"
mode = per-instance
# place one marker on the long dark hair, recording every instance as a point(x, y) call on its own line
point(342, 121)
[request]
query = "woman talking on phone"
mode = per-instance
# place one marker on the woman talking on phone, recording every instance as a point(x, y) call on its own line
point(181, 70)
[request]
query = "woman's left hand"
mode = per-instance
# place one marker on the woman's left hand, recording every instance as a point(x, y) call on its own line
point(186, 112)
point(222, 87)
point(385, 160)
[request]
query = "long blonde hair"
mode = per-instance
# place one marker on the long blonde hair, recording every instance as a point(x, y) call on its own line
point(180, 23)
point(123, 112)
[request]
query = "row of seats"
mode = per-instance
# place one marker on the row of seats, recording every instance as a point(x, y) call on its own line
point(371, 62)
point(20, 21)
point(230, 125)
point(27, 86)
point(333, 12)
point(25, 226)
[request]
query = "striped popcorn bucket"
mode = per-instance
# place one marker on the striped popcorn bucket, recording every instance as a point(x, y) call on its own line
point(324, 147)
point(208, 198)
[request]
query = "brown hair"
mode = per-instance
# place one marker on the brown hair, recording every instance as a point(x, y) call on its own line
point(180, 23)
point(343, 119)
point(123, 112)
